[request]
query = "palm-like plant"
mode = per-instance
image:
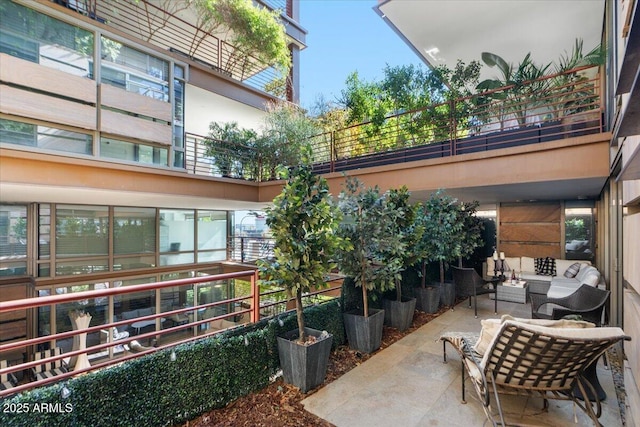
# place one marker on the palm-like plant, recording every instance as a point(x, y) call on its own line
point(522, 88)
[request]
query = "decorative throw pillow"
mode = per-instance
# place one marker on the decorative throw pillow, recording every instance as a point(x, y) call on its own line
point(572, 270)
point(546, 266)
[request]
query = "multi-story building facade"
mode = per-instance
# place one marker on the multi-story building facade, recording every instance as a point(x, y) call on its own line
point(103, 106)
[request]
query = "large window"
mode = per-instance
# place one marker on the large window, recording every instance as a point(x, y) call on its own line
point(39, 38)
point(82, 232)
point(579, 231)
point(44, 137)
point(212, 235)
point(134, 237)
point(134, 70)
point(177, 236)
point(178, 116)
point(13, 240)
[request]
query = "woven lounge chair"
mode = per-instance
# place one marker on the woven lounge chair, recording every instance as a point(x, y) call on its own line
point(532, 360)
point(469, 283)
point(50, 368)
point(587, 302)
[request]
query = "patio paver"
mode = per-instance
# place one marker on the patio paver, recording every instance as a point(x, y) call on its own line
point(407, 384)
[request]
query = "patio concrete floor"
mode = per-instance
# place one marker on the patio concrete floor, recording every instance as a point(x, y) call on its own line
point(407, 384)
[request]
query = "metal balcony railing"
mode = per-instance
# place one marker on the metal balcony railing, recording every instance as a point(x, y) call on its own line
point(161, 328)
point(174, 26)
point(555, 107)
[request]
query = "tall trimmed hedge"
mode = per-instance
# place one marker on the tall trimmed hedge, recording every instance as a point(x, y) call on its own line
point(156, 391)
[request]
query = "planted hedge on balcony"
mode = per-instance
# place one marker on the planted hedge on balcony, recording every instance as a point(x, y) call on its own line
point(158, 391)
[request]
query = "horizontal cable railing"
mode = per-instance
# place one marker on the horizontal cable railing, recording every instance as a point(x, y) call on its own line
point(555, 107)
point(249, 249)
point(175, 27)
point(187, 323)
point(559, 106)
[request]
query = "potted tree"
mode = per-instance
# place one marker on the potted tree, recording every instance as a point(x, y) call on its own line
point(369, 225)
point(439, 217)
point(398, 312)
point(303, 221)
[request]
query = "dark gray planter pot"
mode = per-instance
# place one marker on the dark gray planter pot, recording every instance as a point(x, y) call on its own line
point(428, 299)
point(364, 333)
point(304, 366)
point(447, 294)
point(399, 314)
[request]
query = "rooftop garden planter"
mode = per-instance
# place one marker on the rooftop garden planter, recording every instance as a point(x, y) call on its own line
point(303, 222)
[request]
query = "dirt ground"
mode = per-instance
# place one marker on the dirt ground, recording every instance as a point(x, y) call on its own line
point(279, 403)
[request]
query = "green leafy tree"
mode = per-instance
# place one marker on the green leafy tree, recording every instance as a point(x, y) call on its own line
point(254, 32)
point(407, 230)
point(369, 224)
point(304, 223)
point(470, 236)
point(439, 217)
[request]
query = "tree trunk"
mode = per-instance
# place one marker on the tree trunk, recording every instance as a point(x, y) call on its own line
point(299, 312)
point(424, 274)
point(441, 271)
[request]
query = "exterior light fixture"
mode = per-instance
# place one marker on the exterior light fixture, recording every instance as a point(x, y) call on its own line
point(65, 392)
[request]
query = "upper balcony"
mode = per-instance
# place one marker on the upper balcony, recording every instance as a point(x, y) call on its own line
point(178, 28)
point(556, 107)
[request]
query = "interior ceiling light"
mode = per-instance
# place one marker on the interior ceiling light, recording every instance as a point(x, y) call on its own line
point(433, 53)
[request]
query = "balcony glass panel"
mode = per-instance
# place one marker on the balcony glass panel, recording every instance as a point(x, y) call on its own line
point(39, 38)
point(44, 137)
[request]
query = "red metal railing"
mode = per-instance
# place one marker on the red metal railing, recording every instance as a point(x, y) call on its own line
point(257, 304)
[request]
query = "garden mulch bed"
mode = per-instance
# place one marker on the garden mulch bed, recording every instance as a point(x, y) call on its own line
point(280, 404)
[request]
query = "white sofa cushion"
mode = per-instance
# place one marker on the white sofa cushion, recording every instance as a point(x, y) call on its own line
point(510, 264)
point(527, 264)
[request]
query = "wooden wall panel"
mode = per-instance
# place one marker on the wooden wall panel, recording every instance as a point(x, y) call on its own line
point(531, 250)
point(531, 213)
point(48, 108)
point(133, 127)
point(115, 97)
point(531, 232)
point(25, 73)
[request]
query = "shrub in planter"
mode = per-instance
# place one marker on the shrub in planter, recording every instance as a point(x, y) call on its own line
point(369, 225)
point(303, 222)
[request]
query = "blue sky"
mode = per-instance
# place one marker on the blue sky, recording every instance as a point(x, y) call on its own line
point(345, 36)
